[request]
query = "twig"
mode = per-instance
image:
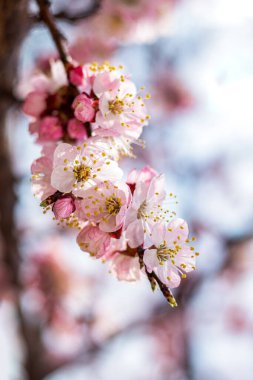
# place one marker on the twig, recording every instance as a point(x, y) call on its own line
point(154, 279)
point(65, 16)
point(58, 38)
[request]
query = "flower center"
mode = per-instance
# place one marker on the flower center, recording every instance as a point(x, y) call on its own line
point(116, 106)
point(113, 205)
point(164, 253)
point(142, 210)
point(82, 172)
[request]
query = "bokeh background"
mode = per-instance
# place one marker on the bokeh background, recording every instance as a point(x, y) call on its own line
point(196, 59)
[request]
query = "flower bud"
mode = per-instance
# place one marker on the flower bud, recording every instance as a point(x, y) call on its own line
point(50, 129)
point(77, 130)
point(84, 108)
point(64, 207)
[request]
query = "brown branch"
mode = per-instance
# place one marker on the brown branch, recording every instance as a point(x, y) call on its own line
point(14, 24)
point(48, 19)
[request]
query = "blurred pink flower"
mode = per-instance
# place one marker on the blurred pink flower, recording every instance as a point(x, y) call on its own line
point(50, 129)
point(46, 274)
point(35, 103)
point(170, 94)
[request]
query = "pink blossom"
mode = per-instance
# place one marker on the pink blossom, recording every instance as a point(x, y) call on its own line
point(84, 108)
point(106, 204)
point(63, 207)
point(91, 239)
point(35, 103)
point(171, 256)
point(125, 268)
point(145, 210)
point(50, 129)
point(77, 130)
point(77, 168)
point(121, 112)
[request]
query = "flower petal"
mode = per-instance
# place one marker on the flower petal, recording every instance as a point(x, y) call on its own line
point(150, 259)
point(62, 180)
point(135, 234)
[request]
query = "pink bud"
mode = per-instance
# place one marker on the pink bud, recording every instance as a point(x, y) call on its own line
point(84, 108)
point(77, 130)
point(50, 129)
point(64, 207)
point(35, 103)
point(76, 76)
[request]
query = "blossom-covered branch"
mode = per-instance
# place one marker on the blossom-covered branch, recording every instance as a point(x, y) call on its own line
point(87, 117)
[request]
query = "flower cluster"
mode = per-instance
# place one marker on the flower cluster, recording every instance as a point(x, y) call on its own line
point(98, 101)
point(86, 118)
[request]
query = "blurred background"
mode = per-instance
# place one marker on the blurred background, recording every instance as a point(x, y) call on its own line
point(72, 318)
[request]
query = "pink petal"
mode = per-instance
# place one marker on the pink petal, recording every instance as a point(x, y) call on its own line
point(62, 180)
point(135, 234)
point(150, 259)
point(156, 192)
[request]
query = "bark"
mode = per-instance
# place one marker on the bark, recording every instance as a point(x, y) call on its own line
point(14, 25)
